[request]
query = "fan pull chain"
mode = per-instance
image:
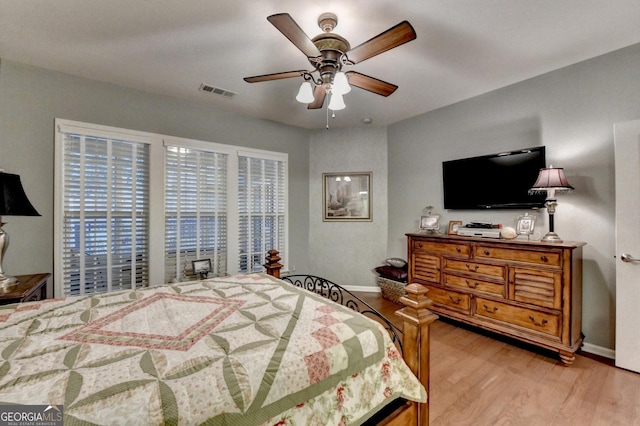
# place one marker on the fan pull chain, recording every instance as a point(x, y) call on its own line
point(327, 116)
point(333, 115)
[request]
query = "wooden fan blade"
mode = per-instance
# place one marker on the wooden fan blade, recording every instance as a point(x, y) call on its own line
point(275, 76)
point(371, 84)
point(393, 37)
point(318, 94)
point(291, 30)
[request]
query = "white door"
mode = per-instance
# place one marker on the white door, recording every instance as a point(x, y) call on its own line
point(627, 164)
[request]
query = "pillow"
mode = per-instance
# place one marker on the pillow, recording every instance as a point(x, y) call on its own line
point(392, 273)
point(397, 262)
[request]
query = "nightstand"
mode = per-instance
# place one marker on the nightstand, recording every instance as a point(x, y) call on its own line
point(30, 288)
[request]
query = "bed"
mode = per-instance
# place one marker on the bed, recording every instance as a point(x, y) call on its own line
point(241, 350)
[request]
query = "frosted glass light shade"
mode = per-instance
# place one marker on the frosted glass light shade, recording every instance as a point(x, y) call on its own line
point(336, 103)
point(340, 84)
point(305, 94)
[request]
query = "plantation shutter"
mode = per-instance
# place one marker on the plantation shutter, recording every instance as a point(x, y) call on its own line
point(261, 208)
point(105, 214)
point(195, 211)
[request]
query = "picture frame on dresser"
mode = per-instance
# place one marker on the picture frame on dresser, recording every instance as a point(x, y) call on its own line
point(430, 223)
point(525, 224)
point(347, 196)
point(454, 225)
point(201, 267)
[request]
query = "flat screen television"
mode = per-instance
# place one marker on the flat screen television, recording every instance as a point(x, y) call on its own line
point(496, 181)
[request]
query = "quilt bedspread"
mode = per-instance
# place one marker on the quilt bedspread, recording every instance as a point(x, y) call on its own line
point(235, 350)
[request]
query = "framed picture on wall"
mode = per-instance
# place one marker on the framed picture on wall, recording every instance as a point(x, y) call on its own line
point(346, 196)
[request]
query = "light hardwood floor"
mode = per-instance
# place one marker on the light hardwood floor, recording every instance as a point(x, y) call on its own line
point(478, 378)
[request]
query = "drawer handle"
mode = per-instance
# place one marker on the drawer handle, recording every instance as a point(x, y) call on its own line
point(475, 267)
point(491, 311)
point(455, 301)
point(474, 285)
point(458, 249)
point(538, 324)
point(420, 245)
point(487, 252)
point(544, 258)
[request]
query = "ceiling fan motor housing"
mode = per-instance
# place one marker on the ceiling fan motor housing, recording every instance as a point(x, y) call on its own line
point(333, 47)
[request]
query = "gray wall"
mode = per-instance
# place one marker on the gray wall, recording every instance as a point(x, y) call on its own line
point(346, 252)
point(30, 100)
point(571, 111)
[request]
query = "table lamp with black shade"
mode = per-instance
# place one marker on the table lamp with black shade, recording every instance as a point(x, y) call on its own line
point(13, 202)
point(552, 181)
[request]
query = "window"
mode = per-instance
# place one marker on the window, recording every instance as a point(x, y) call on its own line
point(195, 211)
point(134, 208)
point(105, 202)
point(262, 209)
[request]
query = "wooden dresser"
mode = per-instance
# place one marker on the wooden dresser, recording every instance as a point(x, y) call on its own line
point(530, 291)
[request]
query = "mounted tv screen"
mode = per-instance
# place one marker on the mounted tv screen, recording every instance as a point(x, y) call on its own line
point(497, 181)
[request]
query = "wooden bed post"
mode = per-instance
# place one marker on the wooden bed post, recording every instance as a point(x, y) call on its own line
point(273, 266)
point(415, 339)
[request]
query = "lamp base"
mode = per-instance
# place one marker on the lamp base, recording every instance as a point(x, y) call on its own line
point(551, 237)
point(7, 283)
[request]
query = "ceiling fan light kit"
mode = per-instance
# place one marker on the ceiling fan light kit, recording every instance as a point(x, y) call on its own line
point(341, 83)
point(328, 53)
point(336, 103)
point(305, 94)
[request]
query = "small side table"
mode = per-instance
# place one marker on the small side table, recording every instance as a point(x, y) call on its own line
point(30, 288)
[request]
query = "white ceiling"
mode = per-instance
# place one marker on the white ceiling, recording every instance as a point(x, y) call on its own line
point(463, 48)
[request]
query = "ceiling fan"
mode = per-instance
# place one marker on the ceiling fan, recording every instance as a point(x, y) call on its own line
point(328, 53)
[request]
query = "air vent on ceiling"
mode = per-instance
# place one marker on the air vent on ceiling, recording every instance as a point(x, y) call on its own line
point(216, 90)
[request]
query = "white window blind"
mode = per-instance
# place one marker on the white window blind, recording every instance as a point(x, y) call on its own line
point(105, 198)
point(135, 209)
point(262, 209)
point(195, 211)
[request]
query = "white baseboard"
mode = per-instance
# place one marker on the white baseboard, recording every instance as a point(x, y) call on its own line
point(599, 350)
point(361, 288)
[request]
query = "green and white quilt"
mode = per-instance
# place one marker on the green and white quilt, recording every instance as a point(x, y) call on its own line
point(240, 350)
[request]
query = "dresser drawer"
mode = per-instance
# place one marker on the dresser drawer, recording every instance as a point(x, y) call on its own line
point(547, 257)
point(494, 271)
point(441, 248)
point(450, 299)
point(468, 283)
point(543, 322)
